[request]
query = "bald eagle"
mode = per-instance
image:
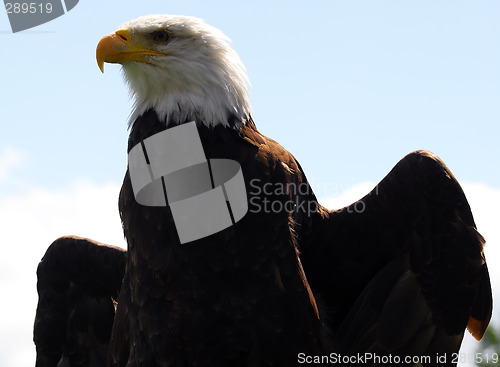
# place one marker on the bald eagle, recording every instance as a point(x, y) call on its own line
point(398, 280)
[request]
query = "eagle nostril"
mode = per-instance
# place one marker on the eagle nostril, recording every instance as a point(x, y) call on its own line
point(123, 34)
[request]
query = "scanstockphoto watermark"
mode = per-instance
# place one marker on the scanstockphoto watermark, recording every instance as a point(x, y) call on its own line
point(268, 197)
point(29, 14)
point(365, 358)
point(170, 168)
point(438, 359)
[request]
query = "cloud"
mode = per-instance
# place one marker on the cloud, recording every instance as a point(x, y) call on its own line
point(10, 158)
point(30, 222)
point(485, 203)
point(347, 195)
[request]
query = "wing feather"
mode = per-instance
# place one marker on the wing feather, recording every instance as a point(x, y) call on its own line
point(78, 285)
point(403, 268)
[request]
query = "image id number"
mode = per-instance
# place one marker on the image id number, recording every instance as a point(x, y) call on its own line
point(28, 8)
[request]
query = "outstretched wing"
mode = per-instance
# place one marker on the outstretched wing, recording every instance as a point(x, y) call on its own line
point(78, 283)
point(401, 271)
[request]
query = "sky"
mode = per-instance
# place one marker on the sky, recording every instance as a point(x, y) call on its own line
point(349, 87)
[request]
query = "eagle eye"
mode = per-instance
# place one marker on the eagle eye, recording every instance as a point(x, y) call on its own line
point(161, 36)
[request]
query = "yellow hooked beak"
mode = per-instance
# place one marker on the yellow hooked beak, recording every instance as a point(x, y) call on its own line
point(118, 47)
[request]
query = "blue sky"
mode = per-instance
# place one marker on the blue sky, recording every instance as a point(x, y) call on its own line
point(349, 87)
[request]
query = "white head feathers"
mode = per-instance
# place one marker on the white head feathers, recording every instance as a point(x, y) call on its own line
point(200, 77)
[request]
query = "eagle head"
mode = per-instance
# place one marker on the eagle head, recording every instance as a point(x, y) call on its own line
point(181, 67)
